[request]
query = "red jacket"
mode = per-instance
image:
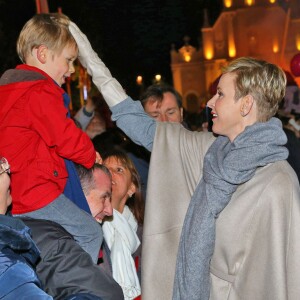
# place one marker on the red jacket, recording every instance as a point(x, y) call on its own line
point(35, 137)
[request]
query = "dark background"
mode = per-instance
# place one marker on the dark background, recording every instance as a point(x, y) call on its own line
point(132, 37)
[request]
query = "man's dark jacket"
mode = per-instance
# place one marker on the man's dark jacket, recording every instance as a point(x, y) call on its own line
point(65, 268)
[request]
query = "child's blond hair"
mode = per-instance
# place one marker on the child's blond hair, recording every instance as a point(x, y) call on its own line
point(50, 30)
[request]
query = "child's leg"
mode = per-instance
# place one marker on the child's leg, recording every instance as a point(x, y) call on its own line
point(86, 231)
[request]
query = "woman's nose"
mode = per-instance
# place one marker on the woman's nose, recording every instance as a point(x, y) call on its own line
point(112, 176)
point(71, 68)
point(212, 101)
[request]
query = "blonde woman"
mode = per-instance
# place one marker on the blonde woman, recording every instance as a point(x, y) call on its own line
point(223, 214)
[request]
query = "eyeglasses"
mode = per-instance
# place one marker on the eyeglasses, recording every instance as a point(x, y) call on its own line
point(4, 166)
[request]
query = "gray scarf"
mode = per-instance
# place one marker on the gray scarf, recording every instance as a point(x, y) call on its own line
point(226, 166)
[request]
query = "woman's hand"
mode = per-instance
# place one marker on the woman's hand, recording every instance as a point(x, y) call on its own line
point(109, 87)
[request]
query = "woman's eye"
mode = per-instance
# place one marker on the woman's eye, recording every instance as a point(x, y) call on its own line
point(119, 170)
point(220, 94)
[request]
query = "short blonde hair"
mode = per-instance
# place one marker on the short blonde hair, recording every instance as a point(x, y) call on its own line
point(264, 81)
point(50, 30)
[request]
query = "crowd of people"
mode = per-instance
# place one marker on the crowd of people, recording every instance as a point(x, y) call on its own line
point(131, 199)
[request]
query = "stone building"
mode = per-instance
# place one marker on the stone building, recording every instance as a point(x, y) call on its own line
point(264, 29)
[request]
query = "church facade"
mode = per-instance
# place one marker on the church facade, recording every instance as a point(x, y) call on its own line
point(264, 29)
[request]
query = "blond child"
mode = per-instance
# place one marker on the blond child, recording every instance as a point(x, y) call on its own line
point(37, 136)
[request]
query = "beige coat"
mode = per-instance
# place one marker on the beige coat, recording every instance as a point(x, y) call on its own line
point(257, 252)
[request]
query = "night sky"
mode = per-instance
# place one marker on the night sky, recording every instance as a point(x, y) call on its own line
point(132, 37)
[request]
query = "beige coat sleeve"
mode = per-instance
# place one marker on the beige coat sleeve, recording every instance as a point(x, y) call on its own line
point(175, 170)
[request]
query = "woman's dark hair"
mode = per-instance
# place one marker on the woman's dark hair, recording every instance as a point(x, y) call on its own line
point(136, 202)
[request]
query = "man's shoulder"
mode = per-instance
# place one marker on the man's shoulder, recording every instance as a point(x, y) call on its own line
point(45, 232)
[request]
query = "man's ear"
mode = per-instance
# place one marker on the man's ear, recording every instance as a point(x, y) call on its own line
point(246, 104)
point(42, 52)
